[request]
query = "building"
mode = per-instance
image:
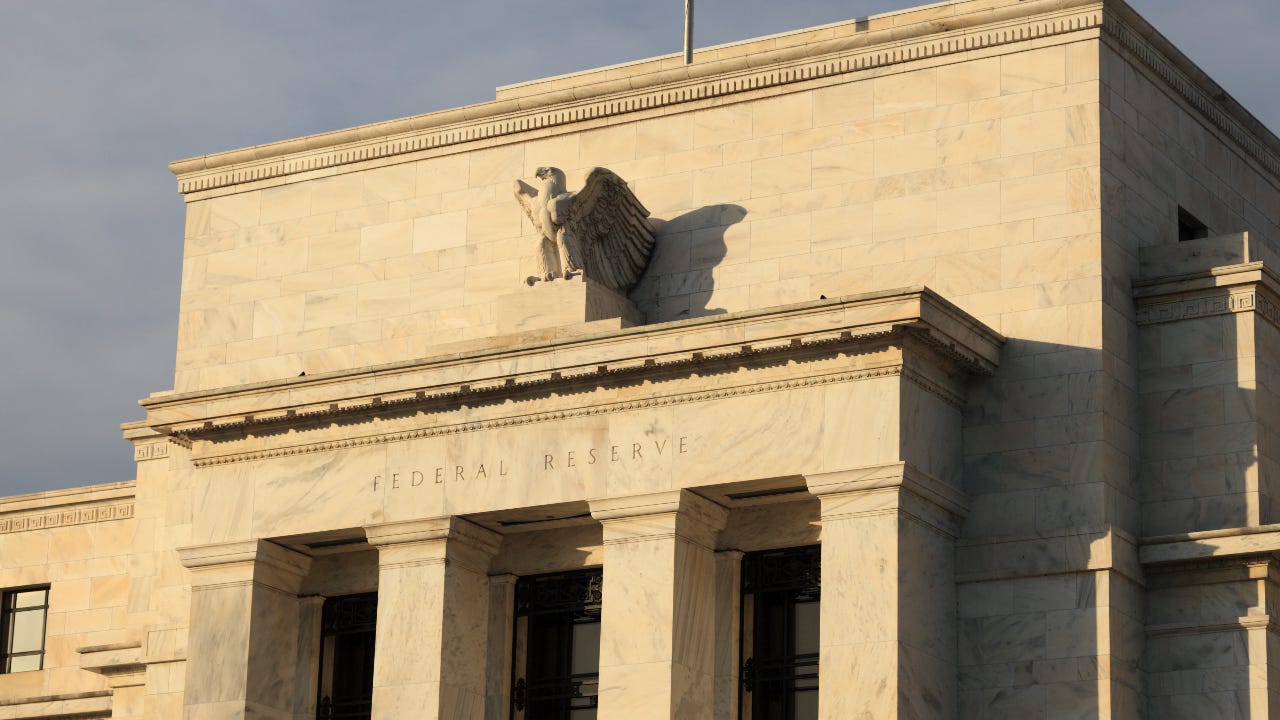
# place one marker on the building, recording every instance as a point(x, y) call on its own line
point(949, 392)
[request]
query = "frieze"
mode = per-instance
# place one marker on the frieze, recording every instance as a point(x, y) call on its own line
point(532, 418)
point(835, 63)
point(549, 462)
point(63, 518)
point(151, 451)
point(1207, 306)
point(469, 393)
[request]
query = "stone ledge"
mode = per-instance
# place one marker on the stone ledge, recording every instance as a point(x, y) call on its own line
point(76, 705)
point(1203, 545)
point(1071, 551)
point(308, 157)
point(506, 362)
point(120, 663)
point(44, 501)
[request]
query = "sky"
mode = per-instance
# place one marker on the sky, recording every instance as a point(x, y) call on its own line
point(96, 98)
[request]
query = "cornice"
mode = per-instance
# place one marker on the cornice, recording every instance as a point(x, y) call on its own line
point(788, 347)
point(1248, 287)
point(798, 333)
point(1132, 32)
point(1244, 622)
point(433, 132)
point(67, 517)
point(706, 81)
point(62, 508)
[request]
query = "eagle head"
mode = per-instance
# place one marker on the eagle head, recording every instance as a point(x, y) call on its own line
point(552, 178)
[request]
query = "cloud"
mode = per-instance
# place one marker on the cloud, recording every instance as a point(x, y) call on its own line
point(99, 97)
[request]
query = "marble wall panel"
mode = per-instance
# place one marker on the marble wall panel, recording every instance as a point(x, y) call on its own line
point(877, 145)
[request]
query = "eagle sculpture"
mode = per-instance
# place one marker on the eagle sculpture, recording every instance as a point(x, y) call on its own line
point(601, 231)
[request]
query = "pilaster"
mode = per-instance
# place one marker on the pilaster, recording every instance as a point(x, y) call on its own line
point(244, 605)
point(502, 608)
point(433, 616)
point(657, 646)
point(888, 647)
point(728, 633)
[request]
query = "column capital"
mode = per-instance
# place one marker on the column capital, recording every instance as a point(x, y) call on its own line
point(678, 513)
point(441, 539)
point(243, 562)
point(894, 487)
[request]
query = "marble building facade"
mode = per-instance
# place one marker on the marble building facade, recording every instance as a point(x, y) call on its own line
point(968, 306)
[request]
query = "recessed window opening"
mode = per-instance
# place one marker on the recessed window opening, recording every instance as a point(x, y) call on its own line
point(347, 632)
point(781, 590)
point(24, 613)
point(1190, 227)
point(557, 646)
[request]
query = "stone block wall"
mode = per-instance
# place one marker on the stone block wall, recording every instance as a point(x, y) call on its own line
point(80, 543)
point(975, 174)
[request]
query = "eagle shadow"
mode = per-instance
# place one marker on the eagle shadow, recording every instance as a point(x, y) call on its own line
point(680, 279)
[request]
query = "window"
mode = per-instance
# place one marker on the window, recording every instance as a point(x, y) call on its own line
point(557, 646)
point(346, 657)
point(1190, 227)
point(780, 595)
point(23, 614)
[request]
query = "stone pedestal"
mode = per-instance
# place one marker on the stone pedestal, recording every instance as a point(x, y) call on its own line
point(888, 647)
point(433, 616)
point(560, 303)
point(657, 645)
point(241, 652)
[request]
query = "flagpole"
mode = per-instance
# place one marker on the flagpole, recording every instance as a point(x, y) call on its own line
point(688, 32)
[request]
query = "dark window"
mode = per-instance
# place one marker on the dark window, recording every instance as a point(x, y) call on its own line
point(780, 596)
point(23, 613)
point(346, 657)
point(1190, 227)
point(557, 646)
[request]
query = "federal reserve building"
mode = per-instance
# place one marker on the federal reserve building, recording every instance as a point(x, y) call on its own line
point(920, 367)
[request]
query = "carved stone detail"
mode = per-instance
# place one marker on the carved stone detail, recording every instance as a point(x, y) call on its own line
point(1208, 306)
point(549, 416)
point(454, 128)
point(60, 518)
point(151, 451)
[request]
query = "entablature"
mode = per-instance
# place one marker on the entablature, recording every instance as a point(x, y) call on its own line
point(773, 349)
point(539, 107)
point(1202, 278)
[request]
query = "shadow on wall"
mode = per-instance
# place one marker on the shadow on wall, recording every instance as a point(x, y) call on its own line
point(679, 280)
point(1044, 481)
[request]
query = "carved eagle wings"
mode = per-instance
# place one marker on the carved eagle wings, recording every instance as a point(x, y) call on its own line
point(602, 229)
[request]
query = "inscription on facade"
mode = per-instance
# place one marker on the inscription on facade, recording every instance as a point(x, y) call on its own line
point(552, 461)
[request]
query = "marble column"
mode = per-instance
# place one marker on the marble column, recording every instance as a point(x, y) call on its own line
point(433, 616)
point(242, 643)
point(657, 645)
point(888, 626)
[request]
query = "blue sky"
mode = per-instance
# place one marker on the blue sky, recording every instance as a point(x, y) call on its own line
point(98, 97)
